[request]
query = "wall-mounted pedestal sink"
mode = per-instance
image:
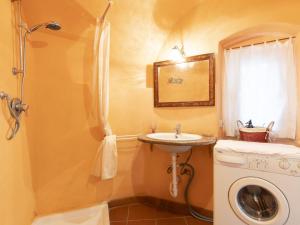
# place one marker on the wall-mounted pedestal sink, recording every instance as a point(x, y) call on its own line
point(172, 139)
point(176, 143)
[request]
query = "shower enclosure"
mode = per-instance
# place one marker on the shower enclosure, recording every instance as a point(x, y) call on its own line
point(16, 105)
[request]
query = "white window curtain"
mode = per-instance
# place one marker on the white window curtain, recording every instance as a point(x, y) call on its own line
point(106, 160)
point(260, 84)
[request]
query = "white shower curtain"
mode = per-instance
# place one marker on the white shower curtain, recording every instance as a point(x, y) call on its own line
point(260, 84)
point(108, 147)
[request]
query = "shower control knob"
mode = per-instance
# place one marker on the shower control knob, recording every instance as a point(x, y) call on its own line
point(284, 164)
point(22, 107)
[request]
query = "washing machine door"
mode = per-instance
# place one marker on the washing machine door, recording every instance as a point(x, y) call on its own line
point(257, 201)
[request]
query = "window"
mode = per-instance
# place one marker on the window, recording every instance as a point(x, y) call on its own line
point(260, 84)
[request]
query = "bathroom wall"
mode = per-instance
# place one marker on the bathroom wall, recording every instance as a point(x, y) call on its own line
point(16, 193)
point(201, 30)
point(62, 131)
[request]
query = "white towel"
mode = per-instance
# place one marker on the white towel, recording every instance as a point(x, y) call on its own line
point(106, 166)
point(109, 157)
point(257, 148)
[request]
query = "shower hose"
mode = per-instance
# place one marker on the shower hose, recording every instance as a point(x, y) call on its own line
point(188, 169)
point(13, 112)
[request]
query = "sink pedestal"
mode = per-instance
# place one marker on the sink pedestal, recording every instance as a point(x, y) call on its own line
point(174, 184)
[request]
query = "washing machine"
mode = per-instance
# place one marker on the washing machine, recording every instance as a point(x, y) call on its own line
point(256, 183)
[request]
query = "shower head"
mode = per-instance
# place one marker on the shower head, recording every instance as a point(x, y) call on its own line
point(50, 25)
point(53, 26)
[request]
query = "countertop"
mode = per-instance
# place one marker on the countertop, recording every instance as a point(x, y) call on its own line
point(201, 142)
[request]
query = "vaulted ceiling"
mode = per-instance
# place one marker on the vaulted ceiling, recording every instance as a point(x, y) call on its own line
point(139, 28)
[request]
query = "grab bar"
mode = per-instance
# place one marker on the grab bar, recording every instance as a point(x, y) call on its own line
point(130, 137)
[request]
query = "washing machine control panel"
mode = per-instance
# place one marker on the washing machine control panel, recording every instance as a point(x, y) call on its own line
point(274, 164)
point(258, 163)
point(267, 163)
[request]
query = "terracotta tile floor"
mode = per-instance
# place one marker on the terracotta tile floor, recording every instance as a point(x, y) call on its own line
point(138, 214)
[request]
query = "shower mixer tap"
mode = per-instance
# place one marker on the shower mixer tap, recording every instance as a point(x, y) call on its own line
point(15, 103)
point(16, 107)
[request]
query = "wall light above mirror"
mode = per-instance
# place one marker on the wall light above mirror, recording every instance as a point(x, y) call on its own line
point(187, 83)
point(178, 54)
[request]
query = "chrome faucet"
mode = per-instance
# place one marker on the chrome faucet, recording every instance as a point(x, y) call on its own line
point(177, 130)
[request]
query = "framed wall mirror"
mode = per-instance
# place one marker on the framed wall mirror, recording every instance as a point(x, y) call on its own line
point(184, 84)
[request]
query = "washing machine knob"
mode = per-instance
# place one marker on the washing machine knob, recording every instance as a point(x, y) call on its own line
point(284, 164)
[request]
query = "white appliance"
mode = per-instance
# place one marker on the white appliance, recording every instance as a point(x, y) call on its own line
point(256, 183)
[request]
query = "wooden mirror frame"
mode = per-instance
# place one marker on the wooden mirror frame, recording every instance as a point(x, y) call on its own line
point(210, 102)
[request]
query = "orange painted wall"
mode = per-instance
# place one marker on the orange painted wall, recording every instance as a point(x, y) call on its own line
point(62, 134)
point(17, 198)
point(201, 30)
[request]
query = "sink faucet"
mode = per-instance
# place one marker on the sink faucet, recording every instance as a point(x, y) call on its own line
point(177, 130)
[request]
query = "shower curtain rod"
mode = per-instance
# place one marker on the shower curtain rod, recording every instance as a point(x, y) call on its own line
point(106, 10)
point(260, 43)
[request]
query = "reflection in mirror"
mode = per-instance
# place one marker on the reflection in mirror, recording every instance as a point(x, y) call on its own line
point(189, 83)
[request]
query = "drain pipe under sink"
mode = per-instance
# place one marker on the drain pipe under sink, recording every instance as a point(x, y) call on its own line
point(184, 169)
point(174, 182)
